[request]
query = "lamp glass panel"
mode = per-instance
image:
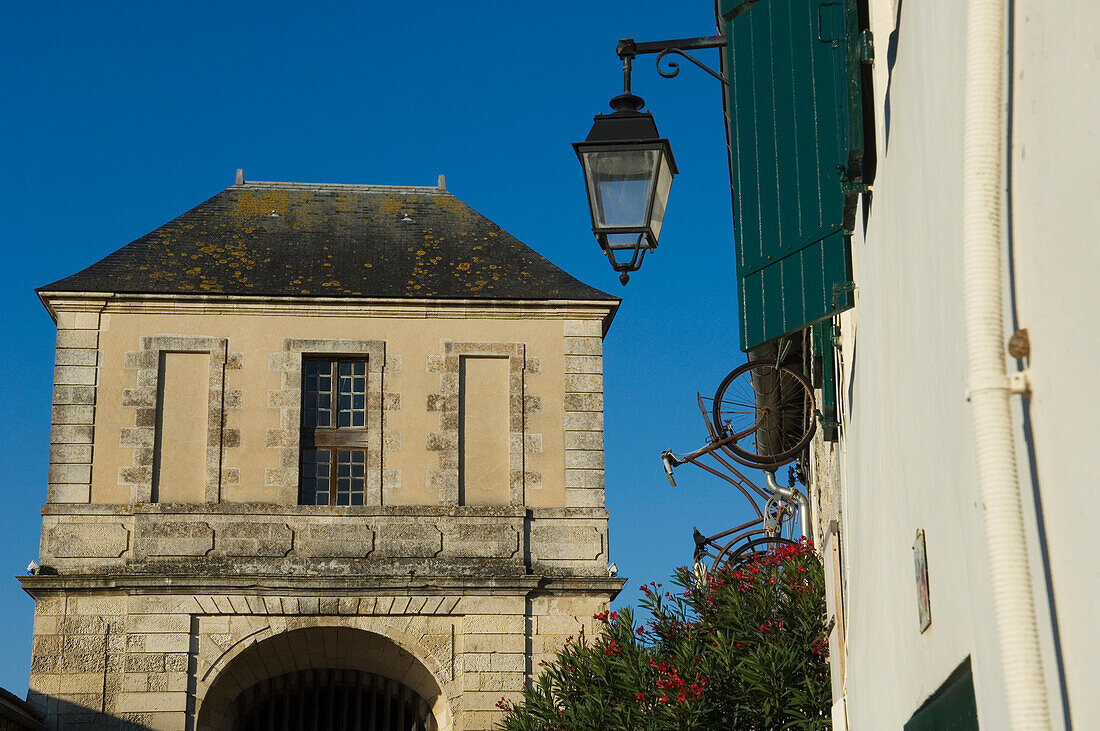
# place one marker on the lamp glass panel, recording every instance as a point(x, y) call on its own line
point(620, 184)
point(625, 241)
point(660, 199)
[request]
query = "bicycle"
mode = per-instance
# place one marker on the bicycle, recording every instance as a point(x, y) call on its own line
point(761, 417)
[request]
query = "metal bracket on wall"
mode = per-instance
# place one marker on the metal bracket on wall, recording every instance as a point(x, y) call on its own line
point(824, 421)
point(628, 48)
point(840, 288)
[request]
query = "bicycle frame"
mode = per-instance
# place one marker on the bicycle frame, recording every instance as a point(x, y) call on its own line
point(784, 502)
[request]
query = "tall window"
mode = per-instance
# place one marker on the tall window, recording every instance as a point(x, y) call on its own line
point(334, 431)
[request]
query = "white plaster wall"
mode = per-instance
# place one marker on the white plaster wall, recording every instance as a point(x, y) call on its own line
point(1055, 185)
point(907, 454)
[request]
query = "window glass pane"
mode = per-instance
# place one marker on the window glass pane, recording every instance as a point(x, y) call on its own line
point(352, 401)
point(316, 480)
point(351, 476)
point(317, 393)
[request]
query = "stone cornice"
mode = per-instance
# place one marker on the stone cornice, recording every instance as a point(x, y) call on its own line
point(328, 307)
point(367, 511)
point(42, 585)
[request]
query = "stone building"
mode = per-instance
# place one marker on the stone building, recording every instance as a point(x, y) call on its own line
point(320, 455)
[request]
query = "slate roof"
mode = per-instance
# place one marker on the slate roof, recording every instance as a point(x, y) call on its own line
point(319, 240)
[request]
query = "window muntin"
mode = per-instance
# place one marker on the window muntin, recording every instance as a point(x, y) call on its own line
point(334, 432)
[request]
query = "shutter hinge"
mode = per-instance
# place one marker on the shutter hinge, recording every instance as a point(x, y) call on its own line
point(853, 187)
point(850, 185)
point(827, 424)
point(840, 288)
point(866, 46)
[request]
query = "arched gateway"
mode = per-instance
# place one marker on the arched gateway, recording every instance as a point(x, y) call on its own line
point(321, 678)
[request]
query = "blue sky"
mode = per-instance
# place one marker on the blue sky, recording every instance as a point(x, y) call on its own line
point(117, 117)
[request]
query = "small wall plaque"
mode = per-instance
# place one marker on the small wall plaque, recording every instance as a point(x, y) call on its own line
point(920, 564)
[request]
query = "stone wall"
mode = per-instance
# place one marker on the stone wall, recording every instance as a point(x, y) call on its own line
point(142, 658)
point(229, 539)
point(155, 615)
point(106, 407)
point(75, 379)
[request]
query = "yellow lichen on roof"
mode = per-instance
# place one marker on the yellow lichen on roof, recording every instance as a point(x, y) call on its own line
point(250, 204)
point(345, 204)
point(393, 204)
point(452, 204)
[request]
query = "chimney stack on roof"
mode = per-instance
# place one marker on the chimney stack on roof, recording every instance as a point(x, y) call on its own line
point(442, 185)
point(240, 176)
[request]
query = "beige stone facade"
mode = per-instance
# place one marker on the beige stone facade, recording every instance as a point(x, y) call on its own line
point(179, 569)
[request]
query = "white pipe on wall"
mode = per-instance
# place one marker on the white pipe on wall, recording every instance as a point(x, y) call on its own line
point(989, 392)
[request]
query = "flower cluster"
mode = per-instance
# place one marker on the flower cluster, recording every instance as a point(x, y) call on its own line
point(741, 647)
point(673, 685)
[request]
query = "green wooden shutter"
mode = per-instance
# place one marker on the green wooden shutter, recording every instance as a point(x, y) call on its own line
point(951, 708)
point(823, 353)
point(795, 142)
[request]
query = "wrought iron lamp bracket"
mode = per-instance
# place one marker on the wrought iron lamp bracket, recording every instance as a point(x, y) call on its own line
point(627, 49)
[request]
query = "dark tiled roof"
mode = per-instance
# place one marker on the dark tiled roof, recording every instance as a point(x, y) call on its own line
point(290, 239)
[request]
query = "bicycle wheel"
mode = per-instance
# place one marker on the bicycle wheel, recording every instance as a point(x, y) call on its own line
point(757, 548)
point(770, 411)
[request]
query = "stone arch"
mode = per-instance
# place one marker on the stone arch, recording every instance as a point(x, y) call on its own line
point(316, 648)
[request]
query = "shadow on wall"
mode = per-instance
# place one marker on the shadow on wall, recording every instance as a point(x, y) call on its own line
point(65, 714)
point(891, 59)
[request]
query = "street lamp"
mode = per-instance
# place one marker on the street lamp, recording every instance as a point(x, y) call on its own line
point(628, 167)
point(628, 171)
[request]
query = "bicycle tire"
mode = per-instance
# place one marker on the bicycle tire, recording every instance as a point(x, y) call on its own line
point(787, 424)
point(757, 547)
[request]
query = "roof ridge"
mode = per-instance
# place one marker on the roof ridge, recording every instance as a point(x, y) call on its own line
point(424, 189)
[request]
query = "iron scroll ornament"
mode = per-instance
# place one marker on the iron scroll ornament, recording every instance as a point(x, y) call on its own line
point(674, 68)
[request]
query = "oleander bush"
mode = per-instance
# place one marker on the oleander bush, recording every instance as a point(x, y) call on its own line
point(743, 648)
